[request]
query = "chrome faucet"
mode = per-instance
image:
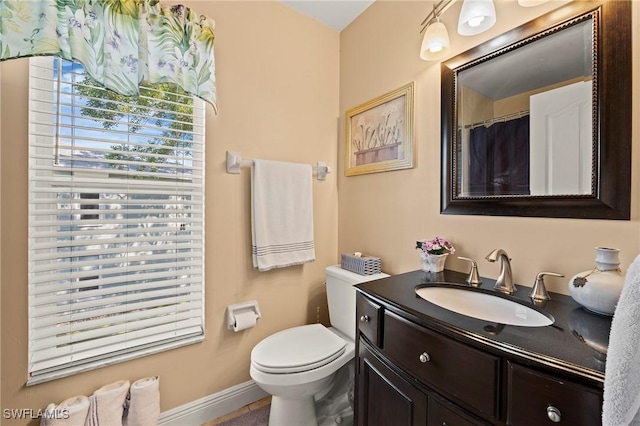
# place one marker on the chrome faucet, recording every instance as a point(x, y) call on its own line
point(474, 277)
point(539, 295)
point(504, 283)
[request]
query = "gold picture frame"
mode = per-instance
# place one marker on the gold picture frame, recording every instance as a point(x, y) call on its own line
point(380, 133)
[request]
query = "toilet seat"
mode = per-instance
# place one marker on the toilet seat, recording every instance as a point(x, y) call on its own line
point(297, 349)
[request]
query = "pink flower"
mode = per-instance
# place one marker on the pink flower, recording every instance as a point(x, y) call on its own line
point(435, 246)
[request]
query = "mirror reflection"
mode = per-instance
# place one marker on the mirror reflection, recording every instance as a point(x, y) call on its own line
point(525, 118)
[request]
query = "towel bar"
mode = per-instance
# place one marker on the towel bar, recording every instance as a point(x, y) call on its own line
point(235, 161)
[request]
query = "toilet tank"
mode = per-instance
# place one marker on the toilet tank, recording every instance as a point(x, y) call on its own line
point(341, 297)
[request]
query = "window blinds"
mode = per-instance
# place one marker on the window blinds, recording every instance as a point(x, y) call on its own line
point(116, 229)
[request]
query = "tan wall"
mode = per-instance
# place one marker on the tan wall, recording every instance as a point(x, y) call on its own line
point(474, 106)
point(384, 213)
point(278, 86)
point(520, 102)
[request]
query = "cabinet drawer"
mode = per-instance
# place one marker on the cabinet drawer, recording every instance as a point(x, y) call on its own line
point(368, 316)
point(440, 415)
point(531, 396)
point(461, 372)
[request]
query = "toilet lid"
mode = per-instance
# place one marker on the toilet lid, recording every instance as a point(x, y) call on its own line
point(297, 349)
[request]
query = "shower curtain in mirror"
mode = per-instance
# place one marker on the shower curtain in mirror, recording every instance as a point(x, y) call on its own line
point(120, 43)
point(499, 158)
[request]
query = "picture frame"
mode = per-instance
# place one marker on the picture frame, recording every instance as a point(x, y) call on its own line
point(379, 133)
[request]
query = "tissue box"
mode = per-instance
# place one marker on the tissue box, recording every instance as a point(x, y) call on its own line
point(363, 265)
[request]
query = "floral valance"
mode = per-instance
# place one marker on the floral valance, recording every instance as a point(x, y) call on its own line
point(121, 43)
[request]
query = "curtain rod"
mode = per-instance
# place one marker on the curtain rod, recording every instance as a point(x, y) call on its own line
point(505, 117)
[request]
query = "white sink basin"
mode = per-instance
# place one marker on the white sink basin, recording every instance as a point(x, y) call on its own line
point(484, 306)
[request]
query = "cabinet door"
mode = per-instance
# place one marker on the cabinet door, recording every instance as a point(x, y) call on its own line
point(539, 399)
point(385, 398)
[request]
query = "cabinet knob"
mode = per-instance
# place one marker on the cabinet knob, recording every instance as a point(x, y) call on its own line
point(424, 357)
point(364, 318)
point(554, 414)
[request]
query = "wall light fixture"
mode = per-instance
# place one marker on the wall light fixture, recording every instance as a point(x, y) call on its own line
point(435, 44)
point(531, 3)
point(476, 16)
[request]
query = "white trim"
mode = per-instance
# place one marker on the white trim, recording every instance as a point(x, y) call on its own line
point(213, 406)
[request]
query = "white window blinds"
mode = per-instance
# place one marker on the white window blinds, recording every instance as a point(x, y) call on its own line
point(116, 230)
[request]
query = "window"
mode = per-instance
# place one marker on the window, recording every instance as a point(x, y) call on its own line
point(116, 221)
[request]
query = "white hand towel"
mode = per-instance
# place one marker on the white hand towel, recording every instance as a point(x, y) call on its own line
point(70, 412)
point(106, 405)
point(143, 403)
point(281, 214)
point(622, 369)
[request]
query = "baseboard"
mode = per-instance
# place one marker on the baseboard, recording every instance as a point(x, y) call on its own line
point(215, 405)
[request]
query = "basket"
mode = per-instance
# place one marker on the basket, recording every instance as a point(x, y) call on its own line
point(363, 265)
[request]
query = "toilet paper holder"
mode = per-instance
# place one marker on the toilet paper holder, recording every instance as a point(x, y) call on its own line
point(240, 308)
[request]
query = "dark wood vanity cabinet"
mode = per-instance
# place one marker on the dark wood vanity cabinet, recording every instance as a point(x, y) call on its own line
point(411, 374)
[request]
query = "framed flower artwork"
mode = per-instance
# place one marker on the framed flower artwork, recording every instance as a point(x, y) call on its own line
point(380, 133)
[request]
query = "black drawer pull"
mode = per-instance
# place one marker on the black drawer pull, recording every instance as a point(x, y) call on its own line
point(554, 414)
point(364, 318)
point(424, 357)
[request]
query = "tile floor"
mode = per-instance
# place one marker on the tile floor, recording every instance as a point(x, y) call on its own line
point(239, 411)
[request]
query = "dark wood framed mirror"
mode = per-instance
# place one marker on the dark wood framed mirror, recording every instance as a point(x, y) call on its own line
point(537, 121)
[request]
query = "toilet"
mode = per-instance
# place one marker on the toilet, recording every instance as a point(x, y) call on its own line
point(297, 365)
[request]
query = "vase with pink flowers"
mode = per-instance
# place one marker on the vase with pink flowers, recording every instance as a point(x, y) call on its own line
point(433, 253)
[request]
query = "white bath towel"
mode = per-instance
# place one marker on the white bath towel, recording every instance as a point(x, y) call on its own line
point(142, 407)
point(622, 370)
point(70, 412)
point(281, 214)
point(106, 405)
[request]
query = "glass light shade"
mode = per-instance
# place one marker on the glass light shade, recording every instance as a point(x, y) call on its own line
point(435, 44)
point(476, 16)
point(531, 3)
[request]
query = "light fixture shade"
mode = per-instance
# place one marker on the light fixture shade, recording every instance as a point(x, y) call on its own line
point(531, 3)
point(435, 44)
point(476, 16)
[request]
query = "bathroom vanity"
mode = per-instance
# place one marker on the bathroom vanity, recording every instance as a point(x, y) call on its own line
point(422, 364)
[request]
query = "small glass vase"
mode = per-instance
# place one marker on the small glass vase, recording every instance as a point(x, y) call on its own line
point(599, 289)
point(433, 262)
